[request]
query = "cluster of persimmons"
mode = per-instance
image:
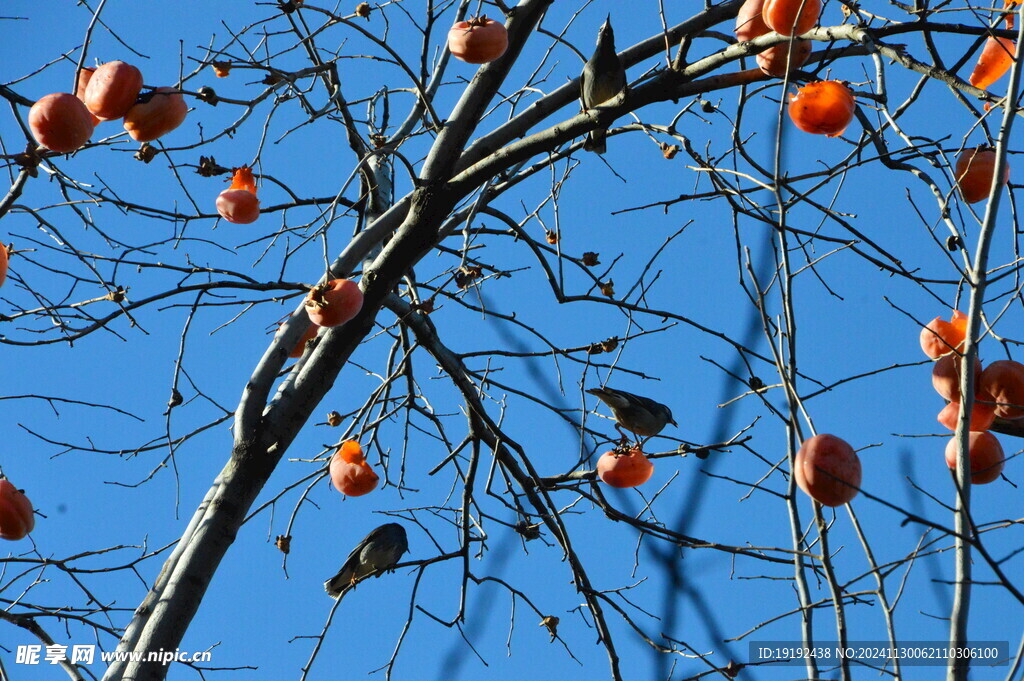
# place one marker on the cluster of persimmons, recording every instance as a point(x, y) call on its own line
point(828, 469)
point(998, 392)
point(63, 121)
point(827, 107)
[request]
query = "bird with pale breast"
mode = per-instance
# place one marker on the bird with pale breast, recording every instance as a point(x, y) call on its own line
point(378, 552)
point(603, 79)
point(639, 415)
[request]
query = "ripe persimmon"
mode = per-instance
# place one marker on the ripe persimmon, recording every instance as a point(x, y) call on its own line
point(478, 41)
point(300, 347)
point(622, 469)
point(81, 83)
point(775, 61)
point(822, 108)
point(60, 122)
point(946, 376)
point(16, 517)
point(112, 90)
point(4, 262)
point(828, 470)
point(750, 22)
point(156, 114)
point(974, 171)
point(994, 61)
point(791, 17)
point(985, 454)
point(1004, 381)
point(983, 415)
point(334, 303)
point(350, 473)
point(940, 337)
point(238, 203)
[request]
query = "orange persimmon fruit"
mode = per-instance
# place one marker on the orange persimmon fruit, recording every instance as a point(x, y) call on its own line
point(622, 469)
point(300, 347)
point(985, 455)
point(791, 17)
point(750, 22)
point(477, 41)
point(946, 376)
point(974, 171)
point(334, 303)
point(994, 61)
point(4, 262)
point(350, 473)
point(156, 114)
point(112, 90)
point(983, 415)
point(1004, 381)
point(81, 83)
point(60, 122)
point(940, 337)
point(775, 61)
point(238, 203)
point(828, 470)
point(822, 108)
point(16, 517)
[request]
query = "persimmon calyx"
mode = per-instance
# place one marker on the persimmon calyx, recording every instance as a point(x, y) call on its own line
point(243, 179)
point(316, 296)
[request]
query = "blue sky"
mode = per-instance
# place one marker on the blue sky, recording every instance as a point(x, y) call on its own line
point(257, 614)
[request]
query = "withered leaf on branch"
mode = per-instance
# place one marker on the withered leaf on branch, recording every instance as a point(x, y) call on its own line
point(467, 274)
point(146, 153)
point(551, 622)
point(283, 543)
point(590, 259)
point(606, 345)
point(334, 419)
point(208, 167)
point(607, 288)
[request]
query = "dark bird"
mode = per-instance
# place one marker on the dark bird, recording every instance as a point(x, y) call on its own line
point(603, 79)
point(379, 551)
point(640, 415)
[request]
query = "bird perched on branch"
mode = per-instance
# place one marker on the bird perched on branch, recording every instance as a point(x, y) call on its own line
point(378, 552)
point(640, 415)
point(603, 79)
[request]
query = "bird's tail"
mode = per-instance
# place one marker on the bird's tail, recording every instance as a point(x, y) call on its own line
point(337, 588)
point(596, 141)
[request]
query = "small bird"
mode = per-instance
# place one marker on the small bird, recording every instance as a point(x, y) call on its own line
point(602, 80)
point(379, 551)
point(640, 415)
